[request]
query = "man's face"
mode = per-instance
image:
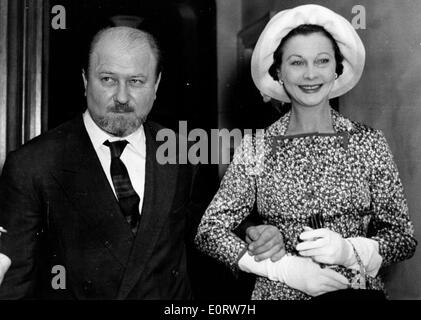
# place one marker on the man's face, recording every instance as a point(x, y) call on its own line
point(121, 85)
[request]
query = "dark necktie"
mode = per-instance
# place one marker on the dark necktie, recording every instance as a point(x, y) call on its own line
point(128, 199)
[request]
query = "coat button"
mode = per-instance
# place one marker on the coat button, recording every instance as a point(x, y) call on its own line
point(87, 286)
point(174, 273)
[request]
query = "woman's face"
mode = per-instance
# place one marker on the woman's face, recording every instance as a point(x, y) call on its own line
point(308, 69)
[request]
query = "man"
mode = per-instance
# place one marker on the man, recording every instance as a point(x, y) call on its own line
point(89, 201)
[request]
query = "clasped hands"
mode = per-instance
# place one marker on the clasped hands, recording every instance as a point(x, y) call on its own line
point(302, 272)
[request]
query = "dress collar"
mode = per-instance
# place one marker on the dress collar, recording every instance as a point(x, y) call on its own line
point(339, 122)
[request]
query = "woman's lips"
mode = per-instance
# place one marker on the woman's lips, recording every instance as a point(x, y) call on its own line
point(310, 88)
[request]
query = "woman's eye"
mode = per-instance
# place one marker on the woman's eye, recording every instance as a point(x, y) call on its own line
point(323, 61)
point(297, 63)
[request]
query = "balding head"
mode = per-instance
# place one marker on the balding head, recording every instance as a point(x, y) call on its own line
point(125, 38)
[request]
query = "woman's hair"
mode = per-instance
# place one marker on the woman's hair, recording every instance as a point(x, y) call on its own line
point(305, 29)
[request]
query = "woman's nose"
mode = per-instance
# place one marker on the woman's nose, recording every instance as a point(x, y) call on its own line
point(310, 72)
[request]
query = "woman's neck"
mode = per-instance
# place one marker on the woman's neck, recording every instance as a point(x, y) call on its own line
point(310, 119)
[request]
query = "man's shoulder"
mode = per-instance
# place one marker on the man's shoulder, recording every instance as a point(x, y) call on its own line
point(154, 127)
point(46, 144)
point(159, 133)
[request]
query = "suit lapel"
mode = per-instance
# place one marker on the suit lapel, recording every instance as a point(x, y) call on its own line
point(160, 183)
point(83, 180)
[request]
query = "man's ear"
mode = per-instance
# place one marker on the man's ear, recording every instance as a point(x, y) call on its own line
point(158, 80)
point(85, 81)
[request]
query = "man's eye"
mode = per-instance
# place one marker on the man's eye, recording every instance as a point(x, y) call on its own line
point(136, 82)
point(107, 80)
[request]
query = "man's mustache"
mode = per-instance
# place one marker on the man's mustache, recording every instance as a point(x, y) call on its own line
point(120, 107)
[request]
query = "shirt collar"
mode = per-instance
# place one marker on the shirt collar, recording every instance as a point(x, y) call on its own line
point(99, 136)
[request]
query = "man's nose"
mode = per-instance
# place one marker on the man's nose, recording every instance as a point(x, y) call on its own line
point(122, 94)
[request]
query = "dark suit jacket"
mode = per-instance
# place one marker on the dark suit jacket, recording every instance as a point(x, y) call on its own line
point(59, 209)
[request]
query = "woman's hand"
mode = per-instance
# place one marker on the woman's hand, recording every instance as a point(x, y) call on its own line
point(300, 273)
point(305, 275)
point(325, 246)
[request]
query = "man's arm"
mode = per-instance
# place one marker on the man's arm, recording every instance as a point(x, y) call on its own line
point(20, 215)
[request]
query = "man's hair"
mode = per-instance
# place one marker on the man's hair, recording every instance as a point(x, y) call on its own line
point(129, 37)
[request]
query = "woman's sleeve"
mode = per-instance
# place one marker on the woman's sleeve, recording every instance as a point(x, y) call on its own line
point(229, 207)
point(391, 225)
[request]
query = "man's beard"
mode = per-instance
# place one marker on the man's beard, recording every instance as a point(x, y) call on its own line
point(120, 120)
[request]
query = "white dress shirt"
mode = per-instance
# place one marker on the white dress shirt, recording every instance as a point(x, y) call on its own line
point(133, 156)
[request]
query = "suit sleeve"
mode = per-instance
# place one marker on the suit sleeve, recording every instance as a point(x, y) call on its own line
point(20, 215)
point(231, 205)
point(391, 225)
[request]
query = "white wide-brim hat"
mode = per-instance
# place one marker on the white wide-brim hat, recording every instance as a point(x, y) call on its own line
point(282, 23)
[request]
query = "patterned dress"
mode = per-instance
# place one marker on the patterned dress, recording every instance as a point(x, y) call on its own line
point(349, 178)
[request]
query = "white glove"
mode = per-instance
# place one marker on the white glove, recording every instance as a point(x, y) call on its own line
point(326, 246)
point(4, 265)
point(297, 272)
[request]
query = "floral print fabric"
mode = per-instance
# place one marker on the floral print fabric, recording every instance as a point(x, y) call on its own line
point(348, 177)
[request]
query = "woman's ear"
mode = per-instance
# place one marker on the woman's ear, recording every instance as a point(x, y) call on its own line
point(279, 74)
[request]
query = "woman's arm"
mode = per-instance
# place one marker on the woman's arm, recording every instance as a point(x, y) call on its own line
point(391, 226)
point(230, 206)
point(392, 233)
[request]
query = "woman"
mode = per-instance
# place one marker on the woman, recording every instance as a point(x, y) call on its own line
point(328, 183)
